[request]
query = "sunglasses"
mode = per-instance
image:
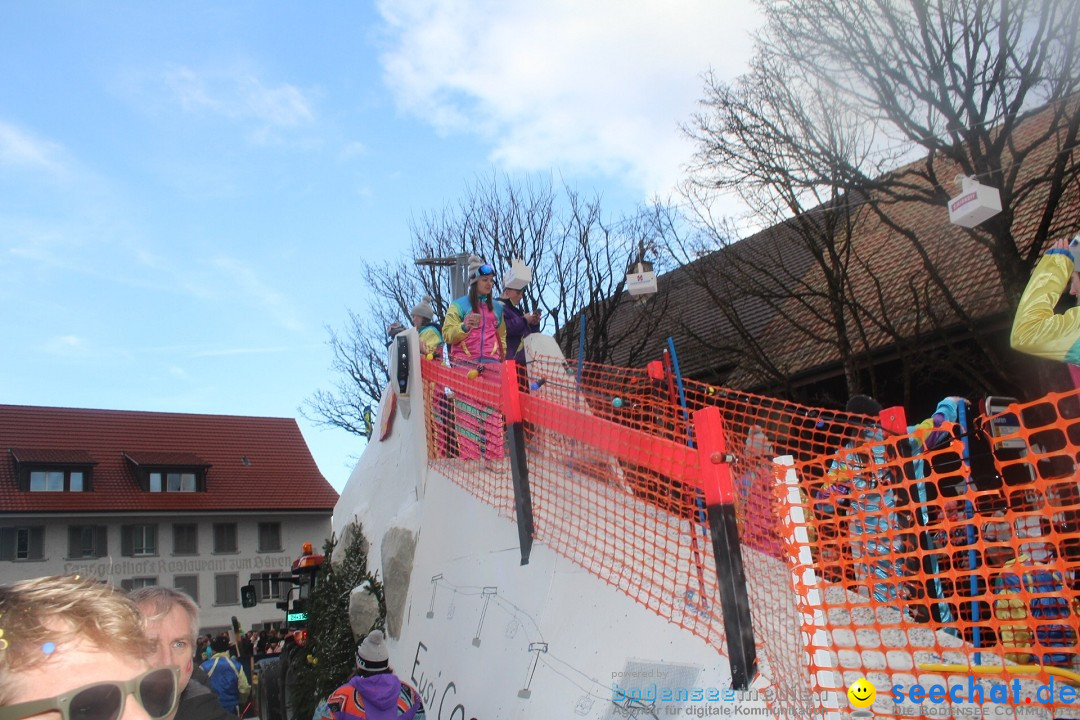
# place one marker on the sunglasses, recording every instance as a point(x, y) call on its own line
point(155, 690)
point(485, 271)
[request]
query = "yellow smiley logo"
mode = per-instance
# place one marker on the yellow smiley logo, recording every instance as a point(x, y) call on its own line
point(862, 693)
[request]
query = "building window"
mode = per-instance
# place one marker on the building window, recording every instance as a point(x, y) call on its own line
point(224, 537)
point(169, 471)
point(227, 589)
point(270, 537)
point(268, 586)
point(57, 480)
point(43, 470)
point(88, 541)
point(138, 540)
point(188, 584)
point(186, 539)
point(173, 481)
point(22, 543)
point(138, 583)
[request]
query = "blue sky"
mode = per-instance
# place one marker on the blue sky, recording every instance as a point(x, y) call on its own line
point(187, 189)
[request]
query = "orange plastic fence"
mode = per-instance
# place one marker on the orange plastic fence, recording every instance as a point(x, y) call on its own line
point(870, 557)
point(965, 555)
point(614, 478)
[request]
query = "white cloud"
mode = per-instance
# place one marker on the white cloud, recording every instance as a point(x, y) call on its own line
point(178, 372)
point(245, 282)
point(237, 94)
point(353, 149)
point(64, 345)
point(20, 149)
point(597, 86)
point(229, 352)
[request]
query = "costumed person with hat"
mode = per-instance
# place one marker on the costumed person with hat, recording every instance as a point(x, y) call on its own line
point(860, 490)
point(474, 327)
point(931, 434)
point(423, 320)
point(519, 324)
point(476, 334)
point(374, 692)
point(1037, 329)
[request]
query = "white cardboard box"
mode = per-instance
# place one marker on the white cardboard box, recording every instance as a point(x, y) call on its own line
point(975, 204)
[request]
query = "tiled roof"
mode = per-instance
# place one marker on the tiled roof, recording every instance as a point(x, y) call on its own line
point(894, 274)
point(255, 463)
point(176, 459)
point(889, 273)
point(44, 455)
point(706, 340)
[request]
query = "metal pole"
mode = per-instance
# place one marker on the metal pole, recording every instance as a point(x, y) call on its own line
point(459, 271)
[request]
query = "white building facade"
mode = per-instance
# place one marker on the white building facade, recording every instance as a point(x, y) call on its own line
point(138, 508)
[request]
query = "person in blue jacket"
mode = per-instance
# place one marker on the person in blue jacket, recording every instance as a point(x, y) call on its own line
point(227, 677)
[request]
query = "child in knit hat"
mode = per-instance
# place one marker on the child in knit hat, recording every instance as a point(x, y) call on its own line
point(423, 319)
point(374, 692)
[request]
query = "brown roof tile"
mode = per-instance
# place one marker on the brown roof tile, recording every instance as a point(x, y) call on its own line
point(892, 274)
point(45, 455)
point(256, 463)
point(176, 459)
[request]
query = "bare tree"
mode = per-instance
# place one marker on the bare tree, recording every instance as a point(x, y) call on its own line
point(592, 261)
point(359, 363)
point(841, 94)
point(762, 139)
point(579, 262)
point(955, 80)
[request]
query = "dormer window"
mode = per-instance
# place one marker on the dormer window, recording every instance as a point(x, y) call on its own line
point(53, 470)
point(169, 472)
point(177, 481)
point(56, 480)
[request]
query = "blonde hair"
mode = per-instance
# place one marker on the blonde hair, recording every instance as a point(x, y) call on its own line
point(60, 609)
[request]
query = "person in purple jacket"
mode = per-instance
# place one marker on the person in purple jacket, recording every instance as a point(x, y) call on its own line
point(374, 692)
point(519, 323)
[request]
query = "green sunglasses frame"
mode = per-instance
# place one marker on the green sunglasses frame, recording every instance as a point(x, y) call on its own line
point(62, 702)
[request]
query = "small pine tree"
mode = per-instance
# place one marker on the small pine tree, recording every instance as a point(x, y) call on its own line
point(331, 649)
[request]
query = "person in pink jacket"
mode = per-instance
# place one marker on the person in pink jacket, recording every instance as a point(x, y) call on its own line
point(474, 328)
point(476, 335)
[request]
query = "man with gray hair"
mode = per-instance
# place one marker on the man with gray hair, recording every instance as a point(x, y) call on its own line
point(172, 623)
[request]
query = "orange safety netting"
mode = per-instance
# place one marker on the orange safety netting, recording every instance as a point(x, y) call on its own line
point(868, 556)
point(918, 566)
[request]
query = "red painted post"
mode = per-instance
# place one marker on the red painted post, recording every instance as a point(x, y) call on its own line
point(519, 461)
point(715, 464)
point(511, 393)
point(712, 447)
